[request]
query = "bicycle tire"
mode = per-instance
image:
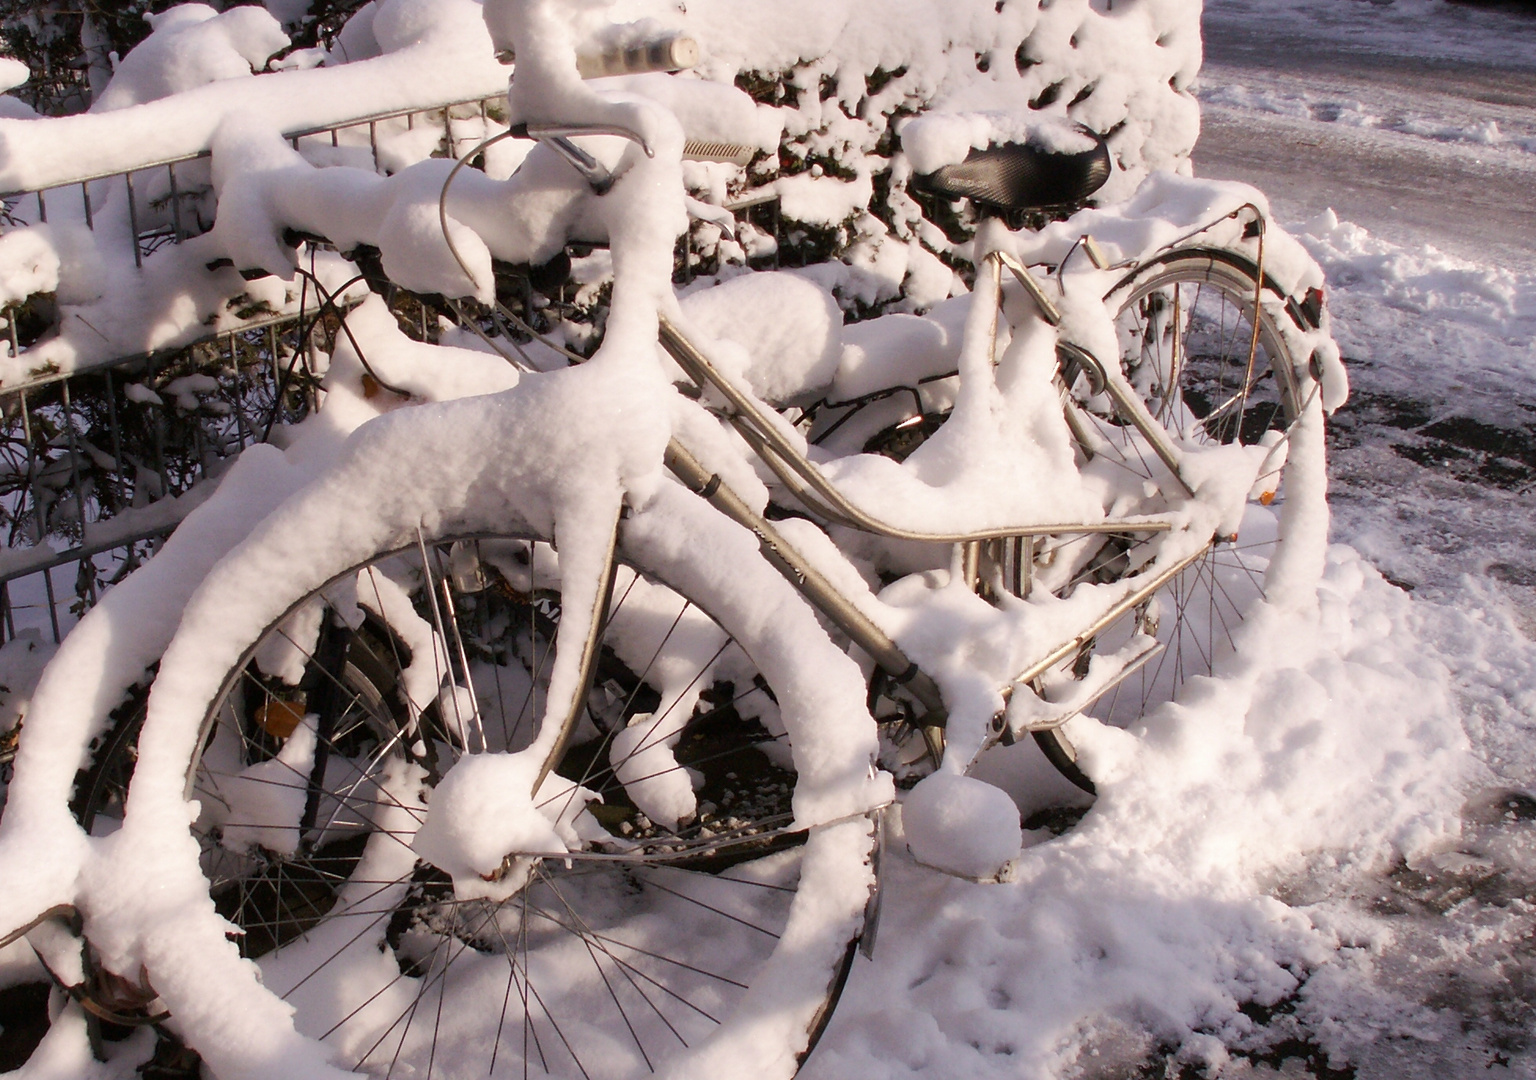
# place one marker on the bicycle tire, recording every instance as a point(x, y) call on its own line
point(33, 1007)
point(102, 786)
point(1229, 280)
point(1185, 324)
point(293, 908)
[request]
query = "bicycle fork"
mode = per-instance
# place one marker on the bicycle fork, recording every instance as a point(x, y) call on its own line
point(822, 594)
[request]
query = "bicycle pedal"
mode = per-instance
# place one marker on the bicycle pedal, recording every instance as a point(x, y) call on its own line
point(715, 150)
point(118, 1000)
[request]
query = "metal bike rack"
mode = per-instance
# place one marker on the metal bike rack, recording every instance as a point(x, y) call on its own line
point(98, 465)
point(166, 197)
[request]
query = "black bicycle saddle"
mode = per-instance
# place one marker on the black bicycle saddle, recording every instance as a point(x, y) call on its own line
point(1022, 175)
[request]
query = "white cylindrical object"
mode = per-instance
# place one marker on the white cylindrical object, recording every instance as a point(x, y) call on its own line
point(674, 52)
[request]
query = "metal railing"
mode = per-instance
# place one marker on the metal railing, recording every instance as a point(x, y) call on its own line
point(163, 206)
point(97, 465)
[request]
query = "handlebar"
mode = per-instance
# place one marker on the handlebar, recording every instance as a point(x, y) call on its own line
point(668, 53)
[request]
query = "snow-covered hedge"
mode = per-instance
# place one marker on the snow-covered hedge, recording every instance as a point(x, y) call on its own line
point(834, 84)
point(846, 78)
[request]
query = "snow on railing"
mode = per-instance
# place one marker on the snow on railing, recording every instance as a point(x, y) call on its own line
point(98, 465)
point(148, 234)
point(95, 464)
point(452, 61)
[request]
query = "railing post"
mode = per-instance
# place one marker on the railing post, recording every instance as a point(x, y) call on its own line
point(74, 456)
point(53, 604)
point(26, 432)
point(241, 427)
point(181, 233)
point(115, 427)
point(133, 222)
point(157, 425)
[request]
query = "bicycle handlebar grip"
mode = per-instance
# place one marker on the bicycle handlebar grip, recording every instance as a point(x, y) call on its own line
point(673, 52)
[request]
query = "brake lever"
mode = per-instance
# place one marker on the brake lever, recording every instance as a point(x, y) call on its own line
point(558, 138)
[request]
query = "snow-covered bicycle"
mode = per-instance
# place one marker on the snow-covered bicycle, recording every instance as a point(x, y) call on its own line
point(509, 750)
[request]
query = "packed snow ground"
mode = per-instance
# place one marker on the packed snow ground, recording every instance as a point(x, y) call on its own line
point(1371, 30)
point(1414, 119)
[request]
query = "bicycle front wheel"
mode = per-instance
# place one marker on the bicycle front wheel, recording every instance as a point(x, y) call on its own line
point(319, 760)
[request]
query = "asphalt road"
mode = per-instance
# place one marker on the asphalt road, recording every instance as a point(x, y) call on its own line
point(1420, 139)
point(1413, 147)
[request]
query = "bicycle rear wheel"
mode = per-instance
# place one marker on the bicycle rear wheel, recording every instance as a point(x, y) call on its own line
point(1213, 376)
point(321, 756)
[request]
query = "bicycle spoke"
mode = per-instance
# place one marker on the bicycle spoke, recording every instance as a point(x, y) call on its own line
point(709, 907)
point(628, 970)
point(613, 995)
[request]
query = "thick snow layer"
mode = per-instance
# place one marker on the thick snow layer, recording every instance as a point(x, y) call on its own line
point(1153, 921)
point(109, 310)
point(266, 800)
point(938, 139)
point(29, 264)
point(192, 45)
point(1384, 285)
point(484, 808)
point(440, 55)
point(788, 332)
point(961, 825)
point(13, 73)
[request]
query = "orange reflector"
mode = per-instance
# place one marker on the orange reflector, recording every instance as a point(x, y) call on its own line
point(279, 719)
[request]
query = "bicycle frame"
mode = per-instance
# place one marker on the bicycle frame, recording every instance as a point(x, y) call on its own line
point(803, 479)
point(1008, 550)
